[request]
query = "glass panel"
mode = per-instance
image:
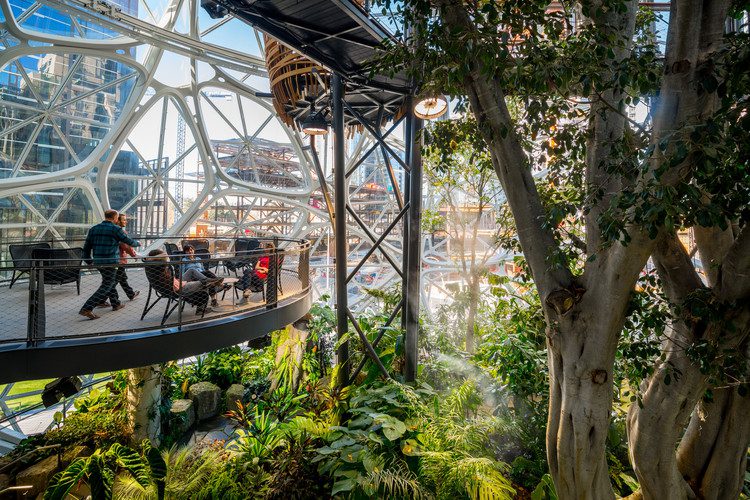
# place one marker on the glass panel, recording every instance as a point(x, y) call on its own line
point(81, 95)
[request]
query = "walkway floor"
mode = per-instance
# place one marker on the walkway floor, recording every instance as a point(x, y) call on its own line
point(62, 305)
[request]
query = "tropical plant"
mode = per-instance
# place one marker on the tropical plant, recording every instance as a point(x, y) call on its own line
point(100, 471)
point(187, 471)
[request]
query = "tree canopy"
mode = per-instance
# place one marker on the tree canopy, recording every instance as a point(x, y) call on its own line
point(639, 140)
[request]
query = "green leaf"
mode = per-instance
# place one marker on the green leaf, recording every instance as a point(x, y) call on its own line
point(63, 482)
point(343, 485)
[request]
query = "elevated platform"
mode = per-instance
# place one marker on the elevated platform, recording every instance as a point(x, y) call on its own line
point(72, 344)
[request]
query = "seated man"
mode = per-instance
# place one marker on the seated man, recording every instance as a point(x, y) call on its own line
point(253, 279)
point(162, 279)
point(192, 270)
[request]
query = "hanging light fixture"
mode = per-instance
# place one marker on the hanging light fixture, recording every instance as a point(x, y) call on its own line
point(315, 123)
point(430, 106)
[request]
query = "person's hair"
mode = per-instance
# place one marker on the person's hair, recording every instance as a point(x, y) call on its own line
point(157, 254)
point(121, 216)
point(185, 248)
point(110, 214)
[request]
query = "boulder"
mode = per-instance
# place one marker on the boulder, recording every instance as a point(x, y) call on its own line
point(75, 452)
point(235, 394)
point(38, 475)
point(205, 396)
point(181, 416)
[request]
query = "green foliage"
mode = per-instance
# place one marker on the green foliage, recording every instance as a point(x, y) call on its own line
point(176, 473)
point(95, 429)
point(545, 490)
point(405, 442)
point(224, 367)
point(100, 470)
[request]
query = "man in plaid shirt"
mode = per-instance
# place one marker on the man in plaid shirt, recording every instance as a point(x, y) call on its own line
point(103, 244)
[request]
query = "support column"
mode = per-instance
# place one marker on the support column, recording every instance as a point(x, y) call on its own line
point(339, 186)
point(414, 250)
point(408, 124)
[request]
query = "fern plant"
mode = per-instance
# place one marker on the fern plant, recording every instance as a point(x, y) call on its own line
point(187, 471)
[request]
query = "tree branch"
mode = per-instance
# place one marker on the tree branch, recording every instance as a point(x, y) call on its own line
point(734, 273)
point(509, 160)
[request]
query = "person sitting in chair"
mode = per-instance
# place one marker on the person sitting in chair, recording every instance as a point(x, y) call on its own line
point(192, 269)
point(252, 280)
point(194, 292)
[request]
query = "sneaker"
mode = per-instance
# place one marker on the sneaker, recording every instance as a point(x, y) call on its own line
point(118, 307)
point(135, 294)
point(243, 301)
point(88, 314)
point(201, 312)
point(214, 302)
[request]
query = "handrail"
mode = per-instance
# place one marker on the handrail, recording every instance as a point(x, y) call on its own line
point(221, 284)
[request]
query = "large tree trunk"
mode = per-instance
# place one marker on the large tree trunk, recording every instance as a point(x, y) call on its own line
point(581, 346)
point(143, 400)
point(713, 453)
point(670, 395)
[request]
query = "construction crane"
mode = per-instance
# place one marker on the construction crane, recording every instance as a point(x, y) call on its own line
point(179, 186)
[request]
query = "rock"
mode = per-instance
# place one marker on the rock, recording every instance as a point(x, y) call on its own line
point(38, 475)
point(235, 394)
point(181, 416)
point(75, 452)
point(205, 396)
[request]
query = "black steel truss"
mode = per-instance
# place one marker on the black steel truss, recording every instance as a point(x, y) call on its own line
point(409, 204)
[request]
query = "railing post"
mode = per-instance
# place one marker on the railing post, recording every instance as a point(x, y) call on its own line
point(37, 318)
point(179, 303)
point(272, 285)
point(303, 269)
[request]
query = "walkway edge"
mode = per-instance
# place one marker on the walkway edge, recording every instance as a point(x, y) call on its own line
point(59, 358)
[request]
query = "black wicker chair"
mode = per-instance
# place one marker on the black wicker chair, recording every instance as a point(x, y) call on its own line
point(162, 289)
point(21, 255)
point(244, 250)
point(61, 265)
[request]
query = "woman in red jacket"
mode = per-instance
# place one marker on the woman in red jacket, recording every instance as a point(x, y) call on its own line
point(253, 279)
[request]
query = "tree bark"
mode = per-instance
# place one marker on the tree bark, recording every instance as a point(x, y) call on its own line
point(670, 395)
point(713, 452)
point(143, 400)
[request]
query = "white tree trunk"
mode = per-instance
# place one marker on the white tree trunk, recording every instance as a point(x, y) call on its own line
point(143, 400)
point(713, 453)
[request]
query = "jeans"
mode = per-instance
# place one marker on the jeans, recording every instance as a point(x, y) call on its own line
point(122, 280)
point(106, 290)
point(194, 293)
point(193, 274)
point(250, 281)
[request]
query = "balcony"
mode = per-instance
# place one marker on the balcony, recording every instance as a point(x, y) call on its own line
point(43, 335)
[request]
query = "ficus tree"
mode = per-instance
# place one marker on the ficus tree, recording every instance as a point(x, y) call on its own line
point(467, 193)
point(630, 184)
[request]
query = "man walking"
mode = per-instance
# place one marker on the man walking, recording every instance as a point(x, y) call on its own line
point(125, 252)
point(103, 245)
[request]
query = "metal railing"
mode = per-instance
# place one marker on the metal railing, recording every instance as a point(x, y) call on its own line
point(45, 302)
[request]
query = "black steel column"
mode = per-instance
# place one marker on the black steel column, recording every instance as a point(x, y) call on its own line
point(339, 186)
point(408, 124)
point(414, 250)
